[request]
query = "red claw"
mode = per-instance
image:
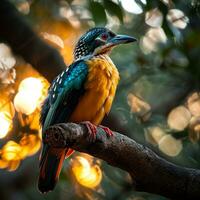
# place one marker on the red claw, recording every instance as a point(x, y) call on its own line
point(107, 130)
point(92, 129)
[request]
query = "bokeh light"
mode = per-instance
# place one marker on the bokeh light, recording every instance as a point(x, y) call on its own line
point(86, 173)
point(7, 113)
point(24, 103)
point(194, 129)
point(154, 18)
point(5, 124)
point(23, 6)
point(153, 37)
point(154, 134)
point(139, 107)
point(67, 13)
point(31, 92)
point(30, 144)
point(131, 6)
point(177, 18)
point(170, 146)
point(11, 151)
point(179, 118)
point(193, 104)
point(53, 39)
point(7, 60)
point(167, 144)
point(31, 84)
point(29, 96)
point(10, 156)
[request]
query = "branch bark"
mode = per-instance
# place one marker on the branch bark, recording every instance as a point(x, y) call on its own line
point(149, 172)
point(15, 31)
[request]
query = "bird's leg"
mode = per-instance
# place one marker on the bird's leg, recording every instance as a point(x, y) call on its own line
point(107, 130)
point(92, 129)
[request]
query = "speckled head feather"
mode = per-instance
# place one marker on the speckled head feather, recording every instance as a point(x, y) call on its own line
point(89, 42)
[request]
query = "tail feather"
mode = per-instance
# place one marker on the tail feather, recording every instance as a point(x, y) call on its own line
point(50, 167)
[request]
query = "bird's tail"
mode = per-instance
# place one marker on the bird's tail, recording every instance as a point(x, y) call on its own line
point(50, 166)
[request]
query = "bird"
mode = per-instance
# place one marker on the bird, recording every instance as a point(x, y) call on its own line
point(82, 93)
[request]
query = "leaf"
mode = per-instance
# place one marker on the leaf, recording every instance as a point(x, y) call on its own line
point(114, 9)
point(98, 13)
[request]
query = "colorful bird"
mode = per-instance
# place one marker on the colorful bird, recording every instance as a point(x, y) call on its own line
point(84, 92)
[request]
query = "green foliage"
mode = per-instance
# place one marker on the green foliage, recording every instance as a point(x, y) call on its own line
point(114, 9)
point(98, 13)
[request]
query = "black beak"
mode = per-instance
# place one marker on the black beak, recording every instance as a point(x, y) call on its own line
point(121, 39)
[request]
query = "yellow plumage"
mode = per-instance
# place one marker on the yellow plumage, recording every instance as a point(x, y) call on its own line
point(100, 90)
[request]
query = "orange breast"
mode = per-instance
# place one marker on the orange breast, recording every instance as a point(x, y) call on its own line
point(100, 89)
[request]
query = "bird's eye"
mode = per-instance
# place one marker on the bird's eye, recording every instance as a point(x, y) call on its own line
point(104, 36)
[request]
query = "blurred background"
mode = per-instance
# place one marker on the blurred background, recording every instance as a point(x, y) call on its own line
point(157, 102)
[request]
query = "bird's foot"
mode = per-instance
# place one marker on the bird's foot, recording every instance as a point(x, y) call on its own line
point(92, 129)
point(107, 130)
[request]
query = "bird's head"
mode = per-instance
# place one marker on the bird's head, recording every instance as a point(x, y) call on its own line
point(99, 41)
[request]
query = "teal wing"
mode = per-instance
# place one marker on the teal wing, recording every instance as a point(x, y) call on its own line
point(64, 95)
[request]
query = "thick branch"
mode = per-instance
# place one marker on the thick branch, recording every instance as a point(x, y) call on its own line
point(149, 172)
point(25, 42)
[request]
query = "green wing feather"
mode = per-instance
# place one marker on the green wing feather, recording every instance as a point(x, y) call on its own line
point(64, 94)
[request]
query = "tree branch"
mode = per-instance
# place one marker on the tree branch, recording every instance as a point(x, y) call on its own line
point(149, 172)
point(25, 42)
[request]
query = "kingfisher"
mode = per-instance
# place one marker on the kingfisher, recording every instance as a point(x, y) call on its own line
point(83, 93)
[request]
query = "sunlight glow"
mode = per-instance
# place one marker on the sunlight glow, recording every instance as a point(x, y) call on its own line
point(170, 146)
point(177, 18)
point(86, 174)
point(131, 6)
point(193, 104)
point(154, 18)
point(53, 39)
point(144, 2)
point(154, 36)
point(12, 151)
point(194, 129)
point(32, 85)
point(23, 7)
point(154, 134)
point(24, 103)
point(7, 60)
point(139, 107)
point(179, 118)
point(29, 95)
point(30, 144)
point(5, 124)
